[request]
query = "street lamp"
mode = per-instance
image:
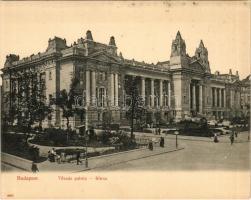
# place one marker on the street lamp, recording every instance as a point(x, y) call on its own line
point(176, 133)
point(86, 136)
point(86, 152)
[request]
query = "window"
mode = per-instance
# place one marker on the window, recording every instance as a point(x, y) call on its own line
point(71, 75)
point(50, 75)
point(101, 97)
point(50, 98)
point(102, 76)
point(6, 84)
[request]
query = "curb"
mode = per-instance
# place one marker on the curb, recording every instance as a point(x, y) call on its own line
point(18, 167)
point(111, 154)
point(112, 164)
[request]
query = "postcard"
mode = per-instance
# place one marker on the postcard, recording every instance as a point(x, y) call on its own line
point(125, 99)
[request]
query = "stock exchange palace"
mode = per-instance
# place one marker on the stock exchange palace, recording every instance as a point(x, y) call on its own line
point(179, 88)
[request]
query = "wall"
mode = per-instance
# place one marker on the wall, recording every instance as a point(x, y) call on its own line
point(66, 75)
point(16, 161)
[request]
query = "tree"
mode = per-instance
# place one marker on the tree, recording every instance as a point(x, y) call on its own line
point(136, 110)
point(65, 101)
point(27, 98)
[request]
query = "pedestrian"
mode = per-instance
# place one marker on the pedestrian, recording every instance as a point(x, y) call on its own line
point(62, 156)
point(216, 138)
point(58, 158)
point(34, 168)
point(78, 157)
point(159, 131)
point(236, 134)
point(232, 138)
point(53, 155)
point(150, 145)
point(162, 142)
point(49, 156)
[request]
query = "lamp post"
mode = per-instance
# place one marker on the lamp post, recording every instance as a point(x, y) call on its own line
point(176, 133)
point(86, 137)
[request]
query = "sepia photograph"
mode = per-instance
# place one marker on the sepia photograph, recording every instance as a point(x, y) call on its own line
point(128, 98)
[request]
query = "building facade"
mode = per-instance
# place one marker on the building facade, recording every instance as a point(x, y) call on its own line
point(179, 88)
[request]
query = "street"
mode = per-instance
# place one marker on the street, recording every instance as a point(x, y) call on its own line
point(196, 155)
point(193, 153)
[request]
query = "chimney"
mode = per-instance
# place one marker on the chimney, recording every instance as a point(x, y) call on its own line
point(230, 71)
point(237, 73)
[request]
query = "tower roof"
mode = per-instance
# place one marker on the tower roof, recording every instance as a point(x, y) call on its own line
point(112, 41)
point(178, 35)
point(89, 35)
point(201, 44)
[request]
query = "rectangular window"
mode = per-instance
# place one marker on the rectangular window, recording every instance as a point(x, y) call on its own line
point(6, 84)
point(50, 75)
point(71, 75)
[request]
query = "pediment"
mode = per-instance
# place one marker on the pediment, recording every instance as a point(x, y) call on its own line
point(104, 57)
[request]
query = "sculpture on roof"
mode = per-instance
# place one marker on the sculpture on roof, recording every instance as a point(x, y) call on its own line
point(201, 55)
point(11, 58)
point(178, 46)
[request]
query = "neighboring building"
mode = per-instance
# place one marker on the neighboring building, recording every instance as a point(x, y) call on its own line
point(179, 88)
point(245, 96)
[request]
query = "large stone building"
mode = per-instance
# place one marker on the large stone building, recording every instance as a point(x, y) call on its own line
point(178, 88)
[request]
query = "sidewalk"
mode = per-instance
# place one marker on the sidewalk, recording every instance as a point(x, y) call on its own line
point(108, 160)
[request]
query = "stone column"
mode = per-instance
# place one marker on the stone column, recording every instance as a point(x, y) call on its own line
point(194, 97)
point(169, 94)
point(112, 90)
point(224, 98)
point(201, 100)
point(212, 96)
point(143, 89)
point(152, 92)
point(160, 93)
point(215, 97)
point(219, 97)
point(189, 95)
point(116, 90)
point(93, 87)
point(105, 98)
point(87, 88)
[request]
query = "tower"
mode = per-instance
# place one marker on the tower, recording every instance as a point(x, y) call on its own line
point(201, 54)
point(178, 57)
point(112, 48)
point(179, 60)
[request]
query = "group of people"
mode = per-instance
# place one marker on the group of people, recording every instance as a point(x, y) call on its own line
point(233, 134)
point(161, 143)
point(54, 157)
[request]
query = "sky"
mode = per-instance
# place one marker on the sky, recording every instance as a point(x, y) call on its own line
point(143, 30)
